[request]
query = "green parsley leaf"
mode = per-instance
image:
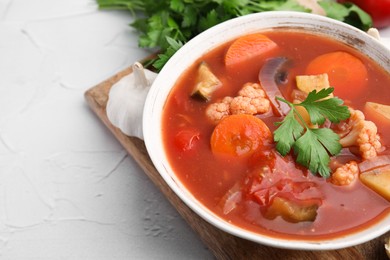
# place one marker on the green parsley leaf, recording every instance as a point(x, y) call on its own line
point(312, 146)
point(320, 108)
point(164, 57)
point(177, 6)
point(190, 18)
point(288, 132)
point(292, 5)
point(348, 13)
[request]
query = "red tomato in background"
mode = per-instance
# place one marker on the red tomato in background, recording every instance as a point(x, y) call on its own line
point(378, 9)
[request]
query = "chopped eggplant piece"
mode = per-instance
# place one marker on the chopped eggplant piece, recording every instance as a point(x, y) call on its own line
point(206, 83)
point(378, 180)
point(292, 211)
point(308, 83)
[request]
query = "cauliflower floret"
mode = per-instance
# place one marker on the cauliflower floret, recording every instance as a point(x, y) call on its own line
point(251, 100)
point(363, 134)
point(247, 105)
point(369, 141)
point(346, 174)
point(252, 90)
point(216, 111)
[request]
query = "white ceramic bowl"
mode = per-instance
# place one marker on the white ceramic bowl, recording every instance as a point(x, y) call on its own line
point(214, 37)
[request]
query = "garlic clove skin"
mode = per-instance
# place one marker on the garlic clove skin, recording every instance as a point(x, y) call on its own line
point(126, 100)
point(374, 33)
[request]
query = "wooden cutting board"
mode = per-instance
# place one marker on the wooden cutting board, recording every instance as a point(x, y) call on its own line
point(220, 243)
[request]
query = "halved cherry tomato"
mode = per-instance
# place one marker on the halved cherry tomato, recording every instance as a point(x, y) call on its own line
point(186, 139)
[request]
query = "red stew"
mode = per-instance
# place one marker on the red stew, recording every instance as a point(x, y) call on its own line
point(238, 188)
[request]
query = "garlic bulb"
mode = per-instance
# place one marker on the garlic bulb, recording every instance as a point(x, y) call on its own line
point(126, 100)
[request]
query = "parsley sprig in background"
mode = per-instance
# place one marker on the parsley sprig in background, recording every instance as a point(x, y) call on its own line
point(168, 24)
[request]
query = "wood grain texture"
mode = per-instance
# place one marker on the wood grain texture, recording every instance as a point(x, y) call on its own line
point(220, 243)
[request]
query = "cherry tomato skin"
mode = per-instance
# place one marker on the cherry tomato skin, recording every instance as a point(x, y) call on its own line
point(378, 9)
point(186, 139)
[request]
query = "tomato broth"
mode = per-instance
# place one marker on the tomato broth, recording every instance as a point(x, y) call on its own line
point(212, 178)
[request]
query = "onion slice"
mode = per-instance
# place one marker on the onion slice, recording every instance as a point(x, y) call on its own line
point(376, 162)
point(268, 77)
point(231, 199)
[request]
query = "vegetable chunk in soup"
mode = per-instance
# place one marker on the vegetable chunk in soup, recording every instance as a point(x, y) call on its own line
point(284, 133)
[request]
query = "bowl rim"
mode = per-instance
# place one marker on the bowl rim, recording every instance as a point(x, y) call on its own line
point(205, 42)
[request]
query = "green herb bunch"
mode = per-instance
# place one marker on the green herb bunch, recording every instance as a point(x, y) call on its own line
point(168, 24)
